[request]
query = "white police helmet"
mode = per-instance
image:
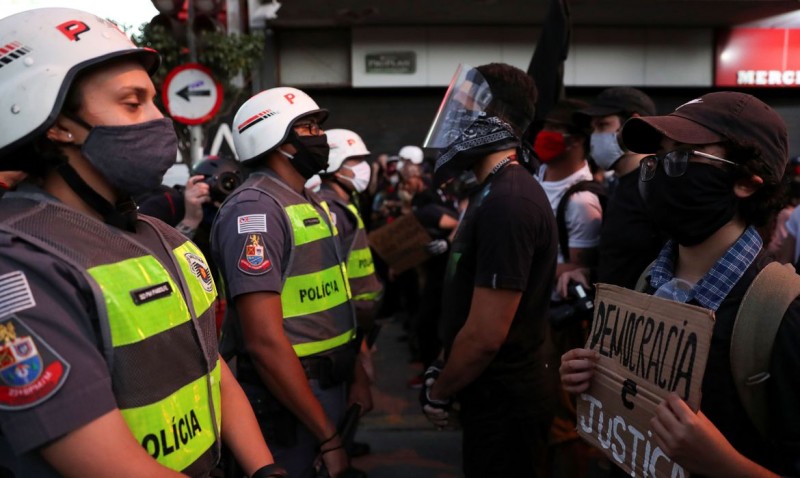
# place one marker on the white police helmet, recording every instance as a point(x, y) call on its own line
point(344, 144)
point(411, 153)
point(41, 52)
point(264, 121)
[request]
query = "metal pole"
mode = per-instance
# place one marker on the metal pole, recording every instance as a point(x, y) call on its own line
point(195, 132)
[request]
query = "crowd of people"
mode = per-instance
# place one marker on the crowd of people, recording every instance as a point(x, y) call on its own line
point(226, 325)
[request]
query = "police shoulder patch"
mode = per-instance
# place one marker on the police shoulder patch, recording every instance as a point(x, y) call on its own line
point(200, 269)
point(253, 260)
point(30, 370)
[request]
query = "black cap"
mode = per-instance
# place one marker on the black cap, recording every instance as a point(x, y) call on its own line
point(620, 100)
point(563, 114)
point(738, 118)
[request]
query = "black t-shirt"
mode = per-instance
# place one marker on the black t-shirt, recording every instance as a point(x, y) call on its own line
point(506, 240)
point(629, 240)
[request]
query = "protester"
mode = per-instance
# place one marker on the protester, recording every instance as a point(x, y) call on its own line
point(562, 147)
point(292, 325)
point(715, 177)
point(109, 356)
point(499, 279)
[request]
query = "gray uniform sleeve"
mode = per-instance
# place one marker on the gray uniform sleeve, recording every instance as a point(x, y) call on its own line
point(251, 243)
point(53, 378)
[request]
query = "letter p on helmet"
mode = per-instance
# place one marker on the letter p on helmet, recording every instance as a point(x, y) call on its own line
point(73, 29)
point(289, 97)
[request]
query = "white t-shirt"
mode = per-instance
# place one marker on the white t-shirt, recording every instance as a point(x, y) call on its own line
point(793, 229)
point(584, 215)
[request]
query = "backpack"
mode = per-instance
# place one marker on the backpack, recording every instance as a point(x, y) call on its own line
point(561, 210)
point(760, 314)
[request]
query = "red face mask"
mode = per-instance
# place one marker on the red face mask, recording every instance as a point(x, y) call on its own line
point(549, 145)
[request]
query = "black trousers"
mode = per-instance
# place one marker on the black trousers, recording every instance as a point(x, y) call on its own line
point(504, 435)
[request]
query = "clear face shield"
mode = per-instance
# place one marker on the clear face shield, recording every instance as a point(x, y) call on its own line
point(466, 100)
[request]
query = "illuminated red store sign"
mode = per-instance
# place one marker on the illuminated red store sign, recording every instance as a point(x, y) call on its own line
point(761, 57)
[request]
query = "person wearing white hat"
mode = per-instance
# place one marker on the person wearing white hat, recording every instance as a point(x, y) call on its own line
point(292, 327)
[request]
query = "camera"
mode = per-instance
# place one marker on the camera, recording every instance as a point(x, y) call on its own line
point(578, 307)
point(222, 184)
point(222, 175)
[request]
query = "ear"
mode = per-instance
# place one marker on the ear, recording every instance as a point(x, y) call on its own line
point(746, 187)
point(60, 134)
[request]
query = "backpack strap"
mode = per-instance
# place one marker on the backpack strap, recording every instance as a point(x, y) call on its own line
point(561, 210)
point(757, 321)
point(644, 279)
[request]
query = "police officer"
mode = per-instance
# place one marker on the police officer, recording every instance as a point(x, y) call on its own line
point(348, 175)
point(108, 358)
point(293, 329)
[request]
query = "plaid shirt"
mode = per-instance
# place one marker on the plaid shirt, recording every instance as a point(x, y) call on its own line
point(712, 289)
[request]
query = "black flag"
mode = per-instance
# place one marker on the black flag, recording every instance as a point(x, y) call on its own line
point(547, 64)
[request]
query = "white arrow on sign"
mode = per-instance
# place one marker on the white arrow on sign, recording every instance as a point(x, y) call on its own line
point(191, 94)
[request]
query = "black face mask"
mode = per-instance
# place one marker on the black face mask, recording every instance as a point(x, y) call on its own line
point(311, 156)
point(690, 208)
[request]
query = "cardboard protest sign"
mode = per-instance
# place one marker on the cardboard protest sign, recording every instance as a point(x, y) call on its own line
point(401, 243)
point(648, 348)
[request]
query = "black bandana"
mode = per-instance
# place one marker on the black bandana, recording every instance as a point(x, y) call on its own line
point(485, 135)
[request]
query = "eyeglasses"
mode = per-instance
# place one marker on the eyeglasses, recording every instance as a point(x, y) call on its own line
point(310, 127)
point(675, 163)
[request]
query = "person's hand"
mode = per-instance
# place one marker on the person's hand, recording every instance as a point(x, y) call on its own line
point(437, 411)
point(690, 439)
point(195, 195)
point(577, 369)
point(579, 275)
point(436, 247)
point(334, 457)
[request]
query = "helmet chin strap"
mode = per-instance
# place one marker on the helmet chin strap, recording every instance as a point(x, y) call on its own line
point(122, 216)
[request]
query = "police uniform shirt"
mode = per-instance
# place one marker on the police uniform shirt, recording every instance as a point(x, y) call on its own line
point(506, 240)
point(52, 322)
point(251, 241)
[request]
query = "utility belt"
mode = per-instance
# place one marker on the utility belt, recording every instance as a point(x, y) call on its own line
point(329, 369)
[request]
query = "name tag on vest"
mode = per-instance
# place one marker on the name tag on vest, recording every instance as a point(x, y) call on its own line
point(312, 221)
point(149, 294)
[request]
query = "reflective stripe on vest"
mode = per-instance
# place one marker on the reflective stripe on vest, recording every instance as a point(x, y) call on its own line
point(315, 292)
point(359, 262)
point(172, 430)
point(303, 217)
point(146, 319)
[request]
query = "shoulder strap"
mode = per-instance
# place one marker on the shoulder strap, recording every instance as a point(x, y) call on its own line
point(754, 331)
point(561, 210)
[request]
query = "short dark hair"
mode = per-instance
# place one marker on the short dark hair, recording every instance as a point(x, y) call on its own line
point(763, 205)
point(514, 95)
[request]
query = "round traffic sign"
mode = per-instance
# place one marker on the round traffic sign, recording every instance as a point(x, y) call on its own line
point(191, 94)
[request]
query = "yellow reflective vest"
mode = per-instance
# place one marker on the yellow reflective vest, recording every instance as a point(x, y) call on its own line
point(157, 327)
